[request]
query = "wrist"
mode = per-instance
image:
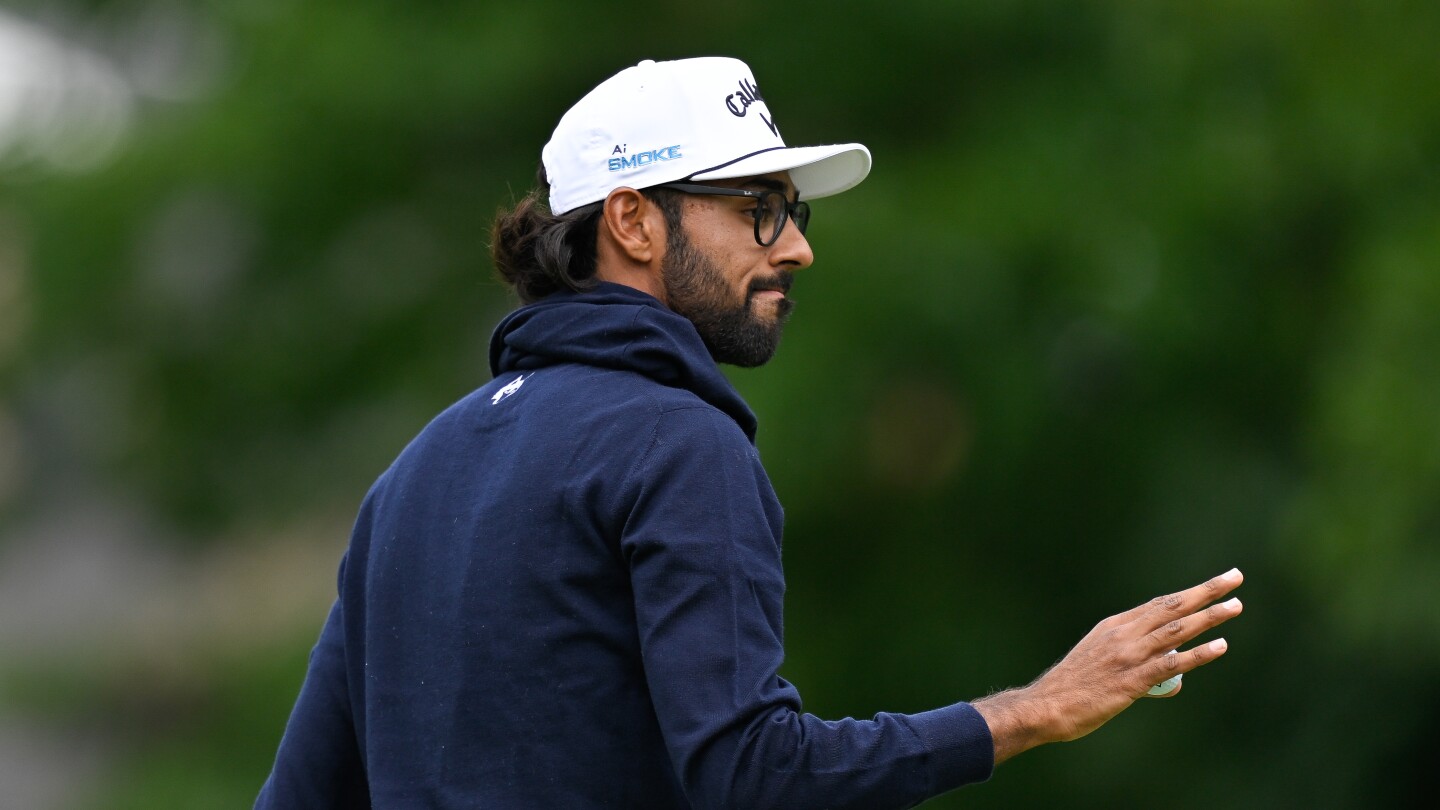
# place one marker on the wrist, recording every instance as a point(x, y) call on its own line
point(1019, 720)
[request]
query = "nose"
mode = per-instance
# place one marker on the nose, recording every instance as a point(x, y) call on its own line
point(792, 249)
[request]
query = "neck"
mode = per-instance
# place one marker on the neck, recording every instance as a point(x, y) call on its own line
point(616, 266)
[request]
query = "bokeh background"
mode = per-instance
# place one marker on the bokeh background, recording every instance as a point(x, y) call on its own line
point(1136, 292)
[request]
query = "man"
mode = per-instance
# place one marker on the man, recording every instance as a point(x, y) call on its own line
point(566, 592)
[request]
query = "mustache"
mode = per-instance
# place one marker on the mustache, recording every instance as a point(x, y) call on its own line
point(780, 281)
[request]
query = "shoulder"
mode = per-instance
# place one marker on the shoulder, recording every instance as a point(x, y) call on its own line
point(602, 395)
point(626, 412)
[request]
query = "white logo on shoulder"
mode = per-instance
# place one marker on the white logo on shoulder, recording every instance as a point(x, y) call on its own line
point(509, 389)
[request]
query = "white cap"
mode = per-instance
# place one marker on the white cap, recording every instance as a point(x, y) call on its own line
point(691, 119)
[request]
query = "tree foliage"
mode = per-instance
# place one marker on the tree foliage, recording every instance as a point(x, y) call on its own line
point(1135, 293)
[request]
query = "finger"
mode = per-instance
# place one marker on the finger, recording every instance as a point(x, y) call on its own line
point(1215, 587)
point(1174, 633)
point(1172, 664)
point(1172, 606)
point(1170, 685)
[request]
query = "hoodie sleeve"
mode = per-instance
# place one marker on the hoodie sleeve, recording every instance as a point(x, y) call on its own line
point(702, 541)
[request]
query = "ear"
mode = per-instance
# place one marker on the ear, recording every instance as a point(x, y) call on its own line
point(634, 225)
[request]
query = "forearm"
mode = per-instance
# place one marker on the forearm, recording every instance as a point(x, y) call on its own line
point(796, 760)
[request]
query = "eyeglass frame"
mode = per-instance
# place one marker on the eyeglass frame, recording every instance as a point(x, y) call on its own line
point(787, 210)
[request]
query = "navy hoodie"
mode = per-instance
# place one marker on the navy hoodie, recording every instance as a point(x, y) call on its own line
point(566, 593)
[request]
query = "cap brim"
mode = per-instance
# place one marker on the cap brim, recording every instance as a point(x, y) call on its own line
point(817, 171)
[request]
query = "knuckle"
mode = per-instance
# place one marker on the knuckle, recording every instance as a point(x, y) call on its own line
point(1170, 661)
point(1170, 602)
point(1168, 632)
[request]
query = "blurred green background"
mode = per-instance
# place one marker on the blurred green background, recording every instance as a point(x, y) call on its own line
point(1135, 293)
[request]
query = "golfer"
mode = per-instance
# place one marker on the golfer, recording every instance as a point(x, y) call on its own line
point(566, 592)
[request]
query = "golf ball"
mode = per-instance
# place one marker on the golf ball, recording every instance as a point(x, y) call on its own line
point(1165, 687)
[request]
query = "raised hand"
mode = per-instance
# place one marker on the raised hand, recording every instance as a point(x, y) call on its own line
point(1113, 665)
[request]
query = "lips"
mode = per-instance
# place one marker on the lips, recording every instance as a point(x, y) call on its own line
point(778, 284)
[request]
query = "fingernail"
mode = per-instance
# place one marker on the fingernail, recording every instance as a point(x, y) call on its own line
point(1232, 603)
point(1218, 645)
point(1233, 573)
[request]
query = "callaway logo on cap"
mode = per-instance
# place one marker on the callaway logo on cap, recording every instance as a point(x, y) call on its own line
point(691, 119)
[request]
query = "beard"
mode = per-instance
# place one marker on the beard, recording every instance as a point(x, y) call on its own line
point(731, 330)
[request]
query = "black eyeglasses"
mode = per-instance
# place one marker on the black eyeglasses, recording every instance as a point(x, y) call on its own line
point(772, 208)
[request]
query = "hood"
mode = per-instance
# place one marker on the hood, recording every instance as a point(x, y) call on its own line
point(617, 327)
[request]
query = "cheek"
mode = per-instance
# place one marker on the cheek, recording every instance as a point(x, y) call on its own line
point(735, 271)
point(728, 249)
point(741, 282)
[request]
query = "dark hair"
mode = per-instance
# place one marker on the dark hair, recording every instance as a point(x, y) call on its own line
point(539, 253)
